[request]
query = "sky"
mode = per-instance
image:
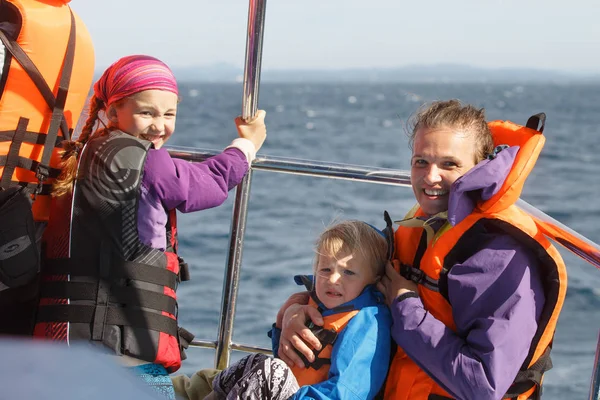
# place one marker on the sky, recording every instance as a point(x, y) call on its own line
point(340, 34)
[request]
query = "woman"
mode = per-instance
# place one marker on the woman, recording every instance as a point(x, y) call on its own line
point(477, 299)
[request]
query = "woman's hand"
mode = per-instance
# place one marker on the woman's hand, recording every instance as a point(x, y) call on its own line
point(393, 285)
point(294, 333)
point(254, 130)
point(296, 298)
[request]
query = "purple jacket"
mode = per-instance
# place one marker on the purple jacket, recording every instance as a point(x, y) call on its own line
point(497, 298)
point(170, 183)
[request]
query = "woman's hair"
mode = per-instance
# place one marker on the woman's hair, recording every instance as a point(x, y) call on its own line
point(454, 115)
point(356, 237)
point(124, 78)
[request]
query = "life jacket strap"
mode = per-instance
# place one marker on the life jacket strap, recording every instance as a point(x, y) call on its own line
point(127, 270)
point(56, 104)
point(112, 315)
point(13, 160)
point(100, 282)
point(326, 337)
point(26, 163)
point(537, 122)
point(184, 270)
point(185, 338)
point(113, 302)
point(127, 295)
point(29, 137)
point(31, 187)
point(10, 160)
point(307, 282)
point(388, 233)
point(419, 277)
point(530, 377)
point(36, 76)
point(319, 362)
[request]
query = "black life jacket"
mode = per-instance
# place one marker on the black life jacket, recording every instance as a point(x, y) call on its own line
point(121, 292)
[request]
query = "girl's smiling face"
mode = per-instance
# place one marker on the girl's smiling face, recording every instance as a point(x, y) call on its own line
point(148, 115)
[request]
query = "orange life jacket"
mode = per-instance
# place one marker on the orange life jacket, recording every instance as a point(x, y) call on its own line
point(41, 34)
point(318, 370)
point(406, 380)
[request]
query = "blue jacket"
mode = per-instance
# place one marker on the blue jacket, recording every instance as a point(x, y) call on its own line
point(361, 353)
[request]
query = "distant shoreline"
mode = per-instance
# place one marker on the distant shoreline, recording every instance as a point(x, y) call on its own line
point(323, 81)
point(414, 74)
point(223, 73)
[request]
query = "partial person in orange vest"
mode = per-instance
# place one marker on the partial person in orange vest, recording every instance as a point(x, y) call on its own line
point(475, 289)
point(350, 257)
point(46, 68)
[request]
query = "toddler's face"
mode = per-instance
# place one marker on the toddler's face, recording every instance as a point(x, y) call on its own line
point(148, 115)
point(341, 277)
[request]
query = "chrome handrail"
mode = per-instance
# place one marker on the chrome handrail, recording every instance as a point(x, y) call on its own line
point(563, 235)
point(315, 168)
point(248, 348)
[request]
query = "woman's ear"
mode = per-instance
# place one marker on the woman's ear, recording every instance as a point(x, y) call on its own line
point(111, 114)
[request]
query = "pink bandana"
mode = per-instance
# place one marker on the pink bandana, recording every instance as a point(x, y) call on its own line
point(133, 74)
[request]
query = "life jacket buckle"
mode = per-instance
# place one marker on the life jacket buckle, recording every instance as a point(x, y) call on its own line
point(326, 337)
point(412, 274)
point(184, 270)
point(42, 173)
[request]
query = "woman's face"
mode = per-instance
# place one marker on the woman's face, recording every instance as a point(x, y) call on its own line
point(440, 156)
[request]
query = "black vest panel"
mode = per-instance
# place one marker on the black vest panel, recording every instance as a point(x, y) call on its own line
point(116, 286)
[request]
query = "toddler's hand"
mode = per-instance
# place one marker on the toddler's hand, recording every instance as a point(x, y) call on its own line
point(255, 130)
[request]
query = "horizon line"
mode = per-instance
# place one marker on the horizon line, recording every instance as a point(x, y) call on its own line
point(232, 66)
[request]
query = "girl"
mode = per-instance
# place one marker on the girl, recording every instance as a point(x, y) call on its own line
point(111, 267)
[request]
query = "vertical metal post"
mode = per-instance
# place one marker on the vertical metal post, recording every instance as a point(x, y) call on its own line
point(232, 273)
point(595, 381)
point(256, 19)
point(254, 42)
